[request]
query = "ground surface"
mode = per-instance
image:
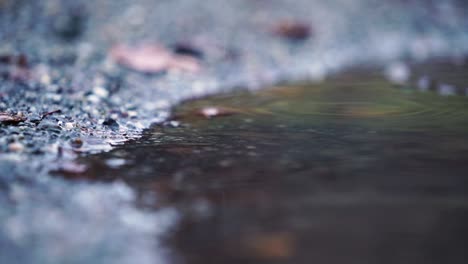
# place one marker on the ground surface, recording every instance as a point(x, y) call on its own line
point(354, 170)
point(64, 93)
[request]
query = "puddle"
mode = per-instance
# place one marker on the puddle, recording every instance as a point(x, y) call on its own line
point(351, 170)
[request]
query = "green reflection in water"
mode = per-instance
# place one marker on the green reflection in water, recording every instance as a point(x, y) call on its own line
point(374, 103)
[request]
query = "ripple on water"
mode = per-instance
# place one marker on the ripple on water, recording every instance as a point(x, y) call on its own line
point(335, 165)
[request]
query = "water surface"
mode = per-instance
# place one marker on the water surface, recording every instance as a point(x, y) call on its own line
point(351, 170)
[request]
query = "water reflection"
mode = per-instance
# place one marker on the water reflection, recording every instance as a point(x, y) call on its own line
point(345, 171)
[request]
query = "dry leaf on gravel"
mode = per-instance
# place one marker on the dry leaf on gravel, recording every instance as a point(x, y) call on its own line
point(292, 30)
point(9, 119)
point(153, 59)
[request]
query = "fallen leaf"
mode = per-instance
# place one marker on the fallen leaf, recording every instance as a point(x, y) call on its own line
point(15, 67)
point(153, 59)
point(20, 60)
point(50, 113)
point(9, 119)
point(292, 30)
point(271, 245)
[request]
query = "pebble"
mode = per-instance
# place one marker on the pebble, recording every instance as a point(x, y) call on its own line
point(15, 147)
point(49, 125)
point(100, 92)
point(212, 111)
point(398, 73)
point(110, 123)
point(132, 114)
point(424, 83)
point(174, 123)
point(69, 125)
point(76, 143)
point(93, 98)
point(446, 89)
point(115, 163)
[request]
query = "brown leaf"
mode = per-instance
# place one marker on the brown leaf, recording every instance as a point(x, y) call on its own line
point(50, 113)
point(9, 119)
point(153, 59)
point(292, 30)
point(271, 245)
point(20, 60)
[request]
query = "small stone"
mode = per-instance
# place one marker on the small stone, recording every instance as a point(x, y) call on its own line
point(15, 147)
point(100, 92)
point(132, 114)
point(424, 83)
point(115, 163)
point(398, 73)
point(446, 89)
point(226, 163)
point(49, 125)
point(76, 143)
point(93, 98)
point(69, 125)
point(69, 25)
point(212, 111)
point(172, 123)
point(111, 123)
